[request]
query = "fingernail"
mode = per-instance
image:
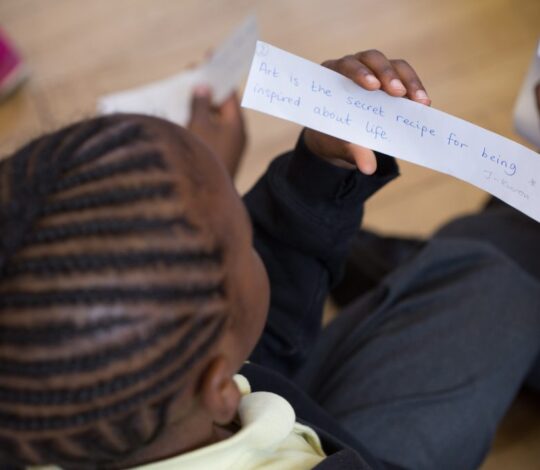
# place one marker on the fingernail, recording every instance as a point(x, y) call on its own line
point(421, 95)
point(372, 79)
point(396, 84)
point(368, 168)
point(201, 91)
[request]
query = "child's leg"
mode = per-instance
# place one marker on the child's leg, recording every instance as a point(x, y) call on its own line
point(423, 368)
point(373, 256)
point(504, 227)
point(511, 232)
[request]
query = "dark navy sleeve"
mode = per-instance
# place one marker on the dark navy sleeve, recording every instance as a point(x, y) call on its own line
point(305, 212)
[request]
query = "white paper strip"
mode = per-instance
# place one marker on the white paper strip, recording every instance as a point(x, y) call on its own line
point(170, 98)
point(292, 88)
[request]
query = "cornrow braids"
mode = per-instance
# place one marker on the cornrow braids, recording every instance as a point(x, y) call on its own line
point(110, 295)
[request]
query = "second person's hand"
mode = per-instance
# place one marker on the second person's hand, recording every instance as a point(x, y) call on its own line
point(221, 127)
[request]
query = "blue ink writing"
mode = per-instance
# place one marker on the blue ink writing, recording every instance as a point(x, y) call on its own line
point(267, 70)
point(318, 88)
point(509, 168)
point(274, 96)
point(377, 110)
point(332, 116)
point(452, 139)
point(416, 125)
point(488, 174)
point(518, 191)
point(294, 80)
point(377, 131)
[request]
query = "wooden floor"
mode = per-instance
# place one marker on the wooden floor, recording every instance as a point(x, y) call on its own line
point(471, 55)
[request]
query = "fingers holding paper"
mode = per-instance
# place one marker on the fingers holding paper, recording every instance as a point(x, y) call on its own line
point(408, 76)
point(371, 70)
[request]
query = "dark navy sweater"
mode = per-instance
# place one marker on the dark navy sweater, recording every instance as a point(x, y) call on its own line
point(305, 212)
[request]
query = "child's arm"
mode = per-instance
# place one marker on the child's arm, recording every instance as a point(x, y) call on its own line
point(305, 210)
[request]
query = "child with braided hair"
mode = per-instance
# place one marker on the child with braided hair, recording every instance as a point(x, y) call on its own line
point(134, 284)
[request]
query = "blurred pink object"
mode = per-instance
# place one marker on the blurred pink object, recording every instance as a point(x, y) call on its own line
point(12, 70)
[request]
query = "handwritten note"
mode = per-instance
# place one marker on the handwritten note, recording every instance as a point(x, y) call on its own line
point(170, 98)
point(292, 88)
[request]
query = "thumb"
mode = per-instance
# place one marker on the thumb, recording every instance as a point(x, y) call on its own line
point(364, 159)
point(201, 103)
point(230, 109)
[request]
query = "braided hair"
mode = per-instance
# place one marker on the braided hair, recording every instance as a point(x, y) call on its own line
point(109, 295)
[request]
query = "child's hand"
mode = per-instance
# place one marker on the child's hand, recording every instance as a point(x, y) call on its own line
point(372, 71)
point(221, 127)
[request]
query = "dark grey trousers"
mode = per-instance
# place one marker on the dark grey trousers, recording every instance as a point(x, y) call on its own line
point(422, 369)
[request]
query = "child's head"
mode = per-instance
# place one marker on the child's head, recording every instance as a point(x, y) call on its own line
point(129, 295)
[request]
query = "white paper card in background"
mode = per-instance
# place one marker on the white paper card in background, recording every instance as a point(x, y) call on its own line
point(170, 98)
point(292, 88)
point(526, 113)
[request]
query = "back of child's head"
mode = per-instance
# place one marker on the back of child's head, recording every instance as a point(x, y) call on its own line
point(111, 292)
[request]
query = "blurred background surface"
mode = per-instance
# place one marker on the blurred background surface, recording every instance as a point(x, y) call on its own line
point(471, 55)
